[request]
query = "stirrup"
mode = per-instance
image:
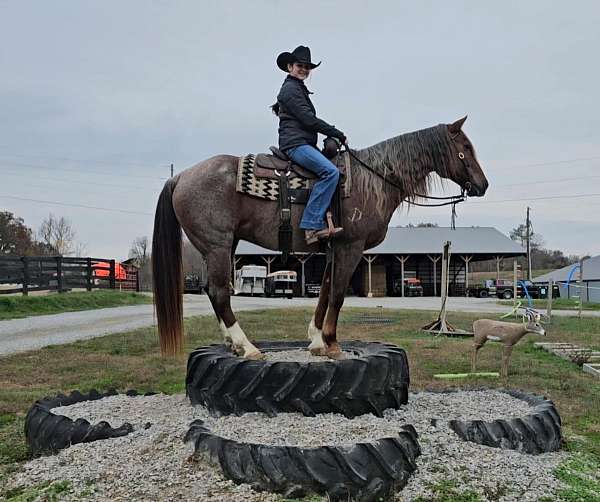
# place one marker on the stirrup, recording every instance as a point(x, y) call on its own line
point(314, 236)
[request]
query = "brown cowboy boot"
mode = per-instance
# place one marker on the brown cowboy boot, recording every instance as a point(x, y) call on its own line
point(330, 232)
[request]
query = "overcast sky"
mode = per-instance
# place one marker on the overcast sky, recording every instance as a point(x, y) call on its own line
point(97, 98)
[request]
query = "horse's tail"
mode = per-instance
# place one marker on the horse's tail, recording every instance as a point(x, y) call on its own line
point(167, 272)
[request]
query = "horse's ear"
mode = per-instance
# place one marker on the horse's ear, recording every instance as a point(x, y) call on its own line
point(456, 126)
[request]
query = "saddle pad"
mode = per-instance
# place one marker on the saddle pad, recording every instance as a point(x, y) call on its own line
point(263, 188)
point(268, 188)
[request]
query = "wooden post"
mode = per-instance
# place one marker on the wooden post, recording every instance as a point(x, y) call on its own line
point(440, 325)
point(25, 261)
point(59, 281)
point(549, 304)
point(580, 283)
point(515, 284)
point(88, 274)
point(434, 259)
point(112, 274)
point(497, 269)
point(402, 260)
point(369, 260)
point(467, 259)
point(268, 260)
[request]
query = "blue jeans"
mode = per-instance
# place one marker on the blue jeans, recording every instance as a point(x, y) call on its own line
point(312, 159)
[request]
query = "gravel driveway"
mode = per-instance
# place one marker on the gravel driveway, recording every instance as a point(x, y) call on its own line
point(19, 335)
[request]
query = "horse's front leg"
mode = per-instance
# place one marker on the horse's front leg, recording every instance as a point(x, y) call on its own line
point(345, 261)
point(315, 328)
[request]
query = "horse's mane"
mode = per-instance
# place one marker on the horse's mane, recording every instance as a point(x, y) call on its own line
point(405, 160)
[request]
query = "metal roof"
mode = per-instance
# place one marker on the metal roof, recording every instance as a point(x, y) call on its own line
point(591, 272)
point(421, 240)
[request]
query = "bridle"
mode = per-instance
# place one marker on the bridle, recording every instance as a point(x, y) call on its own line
point(450, 200)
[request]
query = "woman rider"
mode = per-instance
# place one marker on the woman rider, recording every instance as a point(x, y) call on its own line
point(298, 128)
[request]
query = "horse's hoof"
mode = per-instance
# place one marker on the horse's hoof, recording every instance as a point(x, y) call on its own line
point(256, 356)
point(318, 351)
point(337, 355)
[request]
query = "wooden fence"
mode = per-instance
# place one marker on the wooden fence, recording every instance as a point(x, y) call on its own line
point(62, 273)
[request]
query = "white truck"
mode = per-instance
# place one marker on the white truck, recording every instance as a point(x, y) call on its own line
point(250, 280)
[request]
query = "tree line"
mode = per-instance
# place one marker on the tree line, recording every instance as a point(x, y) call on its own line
point(55, 236)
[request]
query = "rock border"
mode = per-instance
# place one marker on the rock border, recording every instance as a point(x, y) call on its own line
point(226, 384)
point(538, 432)
point(364, 472)
point(47, 433)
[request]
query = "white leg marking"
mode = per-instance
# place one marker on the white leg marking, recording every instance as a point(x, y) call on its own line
point(240, 342)
point(226, 335)
point(315, 335)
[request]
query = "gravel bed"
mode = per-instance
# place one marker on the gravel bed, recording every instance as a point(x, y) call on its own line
point(300, 355)
point(153, 463)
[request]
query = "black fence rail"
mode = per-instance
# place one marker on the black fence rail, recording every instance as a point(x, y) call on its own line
point(63, 273)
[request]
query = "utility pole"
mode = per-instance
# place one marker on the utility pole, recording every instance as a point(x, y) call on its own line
point(528, 246)
point(172, 171)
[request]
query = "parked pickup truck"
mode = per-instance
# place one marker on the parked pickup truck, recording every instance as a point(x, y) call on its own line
point(503, 288)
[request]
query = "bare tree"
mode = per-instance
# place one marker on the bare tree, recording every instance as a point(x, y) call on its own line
point(139, 251)
point(58, 234)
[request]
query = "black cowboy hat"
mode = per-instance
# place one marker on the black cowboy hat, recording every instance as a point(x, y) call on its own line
point(300, 54)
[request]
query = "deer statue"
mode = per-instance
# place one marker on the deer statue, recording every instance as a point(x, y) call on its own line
point(508, 333)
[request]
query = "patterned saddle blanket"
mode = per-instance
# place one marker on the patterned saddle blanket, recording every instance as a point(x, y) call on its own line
point(256, 179)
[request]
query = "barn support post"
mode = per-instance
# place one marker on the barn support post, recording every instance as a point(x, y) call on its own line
point(498, 258)
point(302, 261)
point(111, 277)
point(467, 259)
point(434, 260)
point(236, 260)
point(402, 260)
point(268, 260)
point(369, 260)
point(26, 281)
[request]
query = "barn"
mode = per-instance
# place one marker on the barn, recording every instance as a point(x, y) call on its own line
point(406, 254)
point(568, 278)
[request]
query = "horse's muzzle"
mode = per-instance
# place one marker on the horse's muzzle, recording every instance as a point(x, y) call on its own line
point(474, 190)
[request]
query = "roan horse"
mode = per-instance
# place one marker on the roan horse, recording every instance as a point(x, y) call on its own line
point(203, 201)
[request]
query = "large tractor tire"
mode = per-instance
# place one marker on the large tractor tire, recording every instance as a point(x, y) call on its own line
point(538, 432)
point(47, 433)
point(363, 472)
point(375, 379)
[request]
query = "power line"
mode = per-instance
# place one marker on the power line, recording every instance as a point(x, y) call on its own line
point(538, 164)
point(86, 171)
point(539, 182)
point(91, 184)
point(69, 159)
point(75, 205)
point(523, 199)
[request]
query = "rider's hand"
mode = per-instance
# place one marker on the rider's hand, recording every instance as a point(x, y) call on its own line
point(344, 140)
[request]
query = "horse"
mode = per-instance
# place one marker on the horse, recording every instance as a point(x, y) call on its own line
point(203, 201)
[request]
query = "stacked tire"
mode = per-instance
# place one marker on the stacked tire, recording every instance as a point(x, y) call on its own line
point(374, 378)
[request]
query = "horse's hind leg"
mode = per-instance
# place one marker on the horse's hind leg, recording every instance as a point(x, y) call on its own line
point(315, 328)
point(345, 261)
point(219, 274)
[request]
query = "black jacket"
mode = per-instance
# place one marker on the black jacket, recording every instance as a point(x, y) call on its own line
point(298, 123)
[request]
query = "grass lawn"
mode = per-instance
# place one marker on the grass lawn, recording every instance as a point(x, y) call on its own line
point(12, 307)
point(132, 360)
point(557, 304)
